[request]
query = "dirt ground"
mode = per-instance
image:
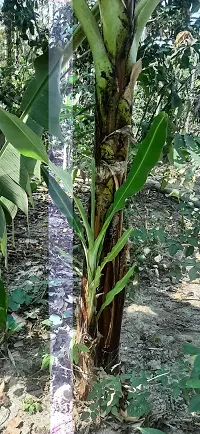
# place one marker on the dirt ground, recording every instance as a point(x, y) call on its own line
point(160, 315)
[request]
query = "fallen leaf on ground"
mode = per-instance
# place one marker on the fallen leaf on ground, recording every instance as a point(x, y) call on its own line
point(4, 400)
point(129, 418)
point(2, 387)
point(13, 426)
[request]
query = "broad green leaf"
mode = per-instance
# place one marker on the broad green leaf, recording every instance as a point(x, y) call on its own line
point(191, 144)
point(42, 99)
point(46, 361)
point(93, 195)
point(191, 349)
point(146, 158)
point(3, 305)
point(3, 234)
point(150, 431)
point(9, 206)
point(32, 166)
point(14, 165)
point(4, 246)
point(87, 227)
point(193, 148)
point(55, 320)
point(195, 6)
point(75, 355)
point(85, 415)
point(2, 222)
point(34, 126)
point(82, 347)
point(21, 137)
point(17, 168)
point(189, 251)
point(194, 406)
point(193, 383)
point(10, 211)
point(174, 248)
point(117, 248)
point(120, 285)
point(64, 176)
point(13, 192)
point(197, 364)
point(193, 273)
point(63, 202)
point(179, 143)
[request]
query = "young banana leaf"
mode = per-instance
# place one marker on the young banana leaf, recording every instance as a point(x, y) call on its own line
point(146, 158)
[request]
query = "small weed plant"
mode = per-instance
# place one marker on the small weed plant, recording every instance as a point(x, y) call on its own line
point(31, 406)
point(131, 392)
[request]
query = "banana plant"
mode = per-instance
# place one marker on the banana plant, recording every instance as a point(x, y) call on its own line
point(114, 51)
point(30, 145)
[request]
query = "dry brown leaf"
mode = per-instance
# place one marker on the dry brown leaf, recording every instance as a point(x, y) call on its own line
point(2, 387)
point(13, 426)
point(137, 68)
point(129, 418)
point(13, 431)
point(4, 400)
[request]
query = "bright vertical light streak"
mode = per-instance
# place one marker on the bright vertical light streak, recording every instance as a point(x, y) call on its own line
point(60, 238)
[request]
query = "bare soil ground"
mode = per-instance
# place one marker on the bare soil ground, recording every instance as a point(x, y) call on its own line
point(160, 315)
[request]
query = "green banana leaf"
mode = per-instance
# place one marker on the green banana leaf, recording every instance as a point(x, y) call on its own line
point(42, 99)
point(15, 174)
point(146, 158)
point(13, 192)
point(63, 202)
point(3, 306)
point(117, 248)
point(148, 154)
point(13, 165)
point(10, 209)
point(120, 285)
point(21, 137)
point(2, 222)
point(150, 431)
point(111, 256)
